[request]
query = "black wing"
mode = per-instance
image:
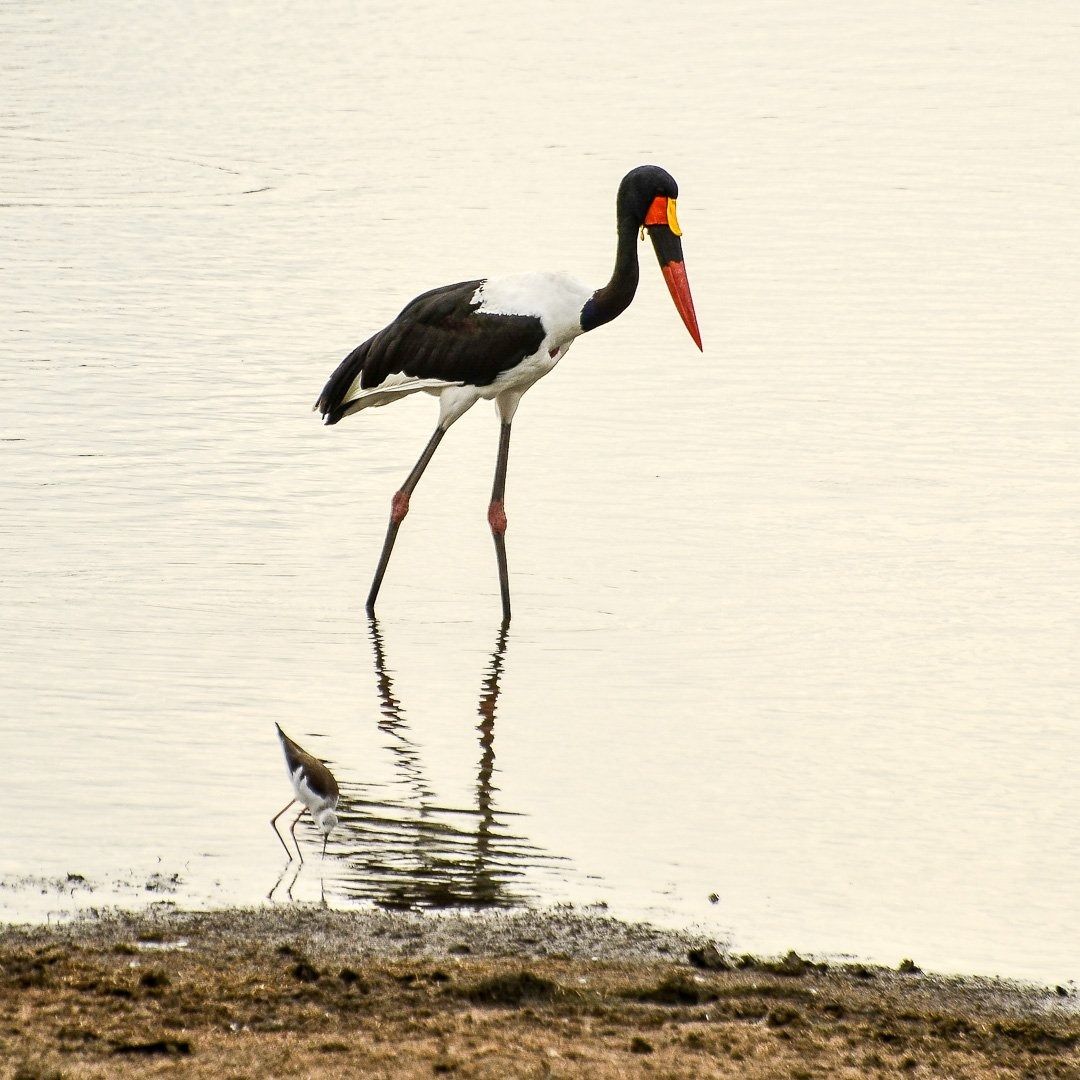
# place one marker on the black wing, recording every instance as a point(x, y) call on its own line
point(319, 777)
point(439, 335)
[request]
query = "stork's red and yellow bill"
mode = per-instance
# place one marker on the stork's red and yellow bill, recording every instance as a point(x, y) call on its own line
point(664, 231)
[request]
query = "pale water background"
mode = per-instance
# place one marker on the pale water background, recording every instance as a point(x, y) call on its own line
point(795, 620)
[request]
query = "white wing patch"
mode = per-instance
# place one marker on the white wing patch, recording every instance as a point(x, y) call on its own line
point(555, 299)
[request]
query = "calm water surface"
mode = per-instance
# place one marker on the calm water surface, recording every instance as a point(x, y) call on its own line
point(795, 620)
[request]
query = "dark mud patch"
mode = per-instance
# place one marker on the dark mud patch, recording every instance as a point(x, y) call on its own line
point(674, 990)
point(514, 988)
point(154, 1048)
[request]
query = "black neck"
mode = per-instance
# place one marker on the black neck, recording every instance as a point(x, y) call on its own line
point(614, 298)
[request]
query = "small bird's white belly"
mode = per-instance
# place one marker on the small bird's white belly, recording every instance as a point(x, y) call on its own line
point(311, 799)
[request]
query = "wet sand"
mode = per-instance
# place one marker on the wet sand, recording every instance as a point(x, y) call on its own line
point(300, 992)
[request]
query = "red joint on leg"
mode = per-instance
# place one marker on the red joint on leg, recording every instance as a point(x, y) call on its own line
point(497, 517)
point(399, 507)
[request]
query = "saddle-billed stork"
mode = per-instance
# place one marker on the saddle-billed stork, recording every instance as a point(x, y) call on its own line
point(494, 337)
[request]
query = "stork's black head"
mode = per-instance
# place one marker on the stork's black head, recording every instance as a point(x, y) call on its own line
point(646, 200)
point(640, 187)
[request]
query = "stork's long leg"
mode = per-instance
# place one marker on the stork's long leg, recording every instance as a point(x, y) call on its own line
point(399, 507)
point(273, 825)
point(497, 517)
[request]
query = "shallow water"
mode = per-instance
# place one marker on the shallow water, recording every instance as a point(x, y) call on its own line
point(795, 620)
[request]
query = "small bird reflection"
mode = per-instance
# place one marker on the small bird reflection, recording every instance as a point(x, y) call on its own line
point(418, 853)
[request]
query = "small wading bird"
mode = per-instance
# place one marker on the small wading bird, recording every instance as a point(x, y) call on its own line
point(315, 789)
point(494, 337)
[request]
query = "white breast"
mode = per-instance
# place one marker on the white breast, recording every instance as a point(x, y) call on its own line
point(555, 299)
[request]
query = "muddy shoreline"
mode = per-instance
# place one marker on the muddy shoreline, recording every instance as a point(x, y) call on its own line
point(309, 992)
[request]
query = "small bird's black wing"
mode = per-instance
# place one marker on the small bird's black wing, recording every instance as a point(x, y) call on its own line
point(294, 753)
point(319, 777)
point(439, 335)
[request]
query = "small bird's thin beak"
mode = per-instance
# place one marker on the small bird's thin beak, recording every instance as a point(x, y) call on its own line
point(665, 234)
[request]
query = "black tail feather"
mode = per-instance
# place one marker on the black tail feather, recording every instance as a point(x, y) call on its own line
point(331, 401)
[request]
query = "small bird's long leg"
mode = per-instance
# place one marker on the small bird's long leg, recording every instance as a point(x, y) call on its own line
point(497, 517)
point(292, 831)
point(273, 825)
point(399, 507)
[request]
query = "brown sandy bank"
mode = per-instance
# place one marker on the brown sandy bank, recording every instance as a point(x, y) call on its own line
point(290, 992)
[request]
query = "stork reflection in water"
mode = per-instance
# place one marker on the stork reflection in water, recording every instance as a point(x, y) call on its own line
point(417, 851)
